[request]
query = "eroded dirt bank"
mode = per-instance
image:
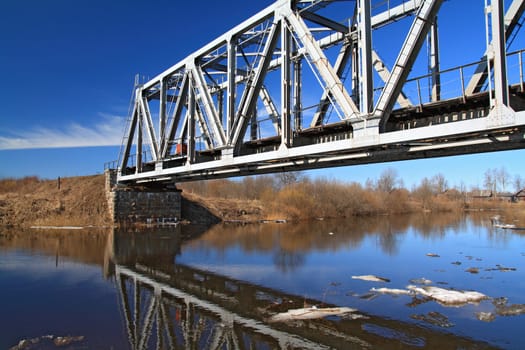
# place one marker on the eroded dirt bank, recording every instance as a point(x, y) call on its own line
point(33, 202)
point(81, 201)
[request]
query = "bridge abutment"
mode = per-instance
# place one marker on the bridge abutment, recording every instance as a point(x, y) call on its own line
point(141, 204)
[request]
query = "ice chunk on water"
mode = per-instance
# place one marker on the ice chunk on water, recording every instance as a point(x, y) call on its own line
point(393, 291)
point(309, 313)
point(371, 278)
point(448, 296)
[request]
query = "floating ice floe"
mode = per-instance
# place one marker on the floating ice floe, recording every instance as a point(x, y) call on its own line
point(486, 316)
point(447, 296)
point(370, 278)
point(505, 226)
point(502, 309)
point(420, 281)
point(393, 291)
point(310, 313)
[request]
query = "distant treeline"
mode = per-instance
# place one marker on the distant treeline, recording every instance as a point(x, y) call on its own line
point(296, 196)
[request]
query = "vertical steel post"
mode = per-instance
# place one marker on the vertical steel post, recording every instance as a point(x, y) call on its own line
point(434, 61)
point(419, 94)
point(162, 112)
point(140, 117)
point(254, 124)
point(286, 132)
point(520, 59)
point(220, 105)
point(501, 88)
point(297, 76)
point(462, 79)
point(355, 74)
point(231, 88)
point(192, 115)
point(365, 56)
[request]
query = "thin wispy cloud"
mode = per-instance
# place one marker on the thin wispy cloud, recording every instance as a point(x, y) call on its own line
point(107, 131)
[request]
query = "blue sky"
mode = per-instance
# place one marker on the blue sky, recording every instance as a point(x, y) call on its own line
point(67, 70)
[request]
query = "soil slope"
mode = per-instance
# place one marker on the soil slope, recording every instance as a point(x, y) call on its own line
point(30, 201)
point(81, 201)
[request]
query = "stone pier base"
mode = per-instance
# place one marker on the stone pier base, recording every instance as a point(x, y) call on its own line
point(141, 204)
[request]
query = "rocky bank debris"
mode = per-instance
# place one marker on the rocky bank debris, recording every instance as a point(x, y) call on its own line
point(434, 318)
point(501, 309)
point(51, 342)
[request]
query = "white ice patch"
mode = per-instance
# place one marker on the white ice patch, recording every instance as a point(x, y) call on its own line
point(310, 313)
point(447, 296)
point(392, 291)
point(370, 278)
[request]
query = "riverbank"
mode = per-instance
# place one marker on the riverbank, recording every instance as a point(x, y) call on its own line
point(72, 201)
point(81, 201)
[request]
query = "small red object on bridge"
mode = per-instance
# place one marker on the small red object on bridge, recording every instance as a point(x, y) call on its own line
point(181, 149)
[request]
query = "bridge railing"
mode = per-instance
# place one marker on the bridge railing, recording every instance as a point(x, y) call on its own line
point(132, 160)
point(453, 81)
point(110, 165)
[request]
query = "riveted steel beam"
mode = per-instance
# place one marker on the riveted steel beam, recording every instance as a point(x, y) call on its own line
point(405, 60)
point(512, 24)
point(251, 93)
point(208, 107)
point(316, 55)
point(176, 116)
point(146, 117)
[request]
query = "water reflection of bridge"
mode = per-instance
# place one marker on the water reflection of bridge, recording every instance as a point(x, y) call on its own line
point(169, 305)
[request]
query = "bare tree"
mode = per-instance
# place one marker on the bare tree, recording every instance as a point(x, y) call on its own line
point(502, 176)
point(288, 178)
point(425, 192)
point(439, 183)
point(388, 180)
point(490, 181)
point(519, 183)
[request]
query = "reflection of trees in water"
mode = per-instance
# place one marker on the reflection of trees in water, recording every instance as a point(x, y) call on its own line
point(288, 261)
point(436, 225)
point(330, 235)
point(389, 243)
point(86, 246)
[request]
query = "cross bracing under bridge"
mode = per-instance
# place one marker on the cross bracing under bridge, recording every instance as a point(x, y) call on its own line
point(302, 85)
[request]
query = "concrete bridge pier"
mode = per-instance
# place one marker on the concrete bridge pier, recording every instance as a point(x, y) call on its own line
point(142, 204)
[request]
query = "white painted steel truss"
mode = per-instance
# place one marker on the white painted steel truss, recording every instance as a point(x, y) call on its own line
point(260, 75)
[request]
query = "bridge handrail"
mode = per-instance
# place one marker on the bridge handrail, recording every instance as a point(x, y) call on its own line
point(417, 93)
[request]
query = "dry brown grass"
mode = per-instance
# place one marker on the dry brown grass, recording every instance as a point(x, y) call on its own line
point(322, 198)
point(31, 201)
point(22, 186)
point(81, 200)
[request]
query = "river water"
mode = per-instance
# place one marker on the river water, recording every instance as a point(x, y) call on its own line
point(231, 286)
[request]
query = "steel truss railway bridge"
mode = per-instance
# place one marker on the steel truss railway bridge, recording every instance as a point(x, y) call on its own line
point(303, 85)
